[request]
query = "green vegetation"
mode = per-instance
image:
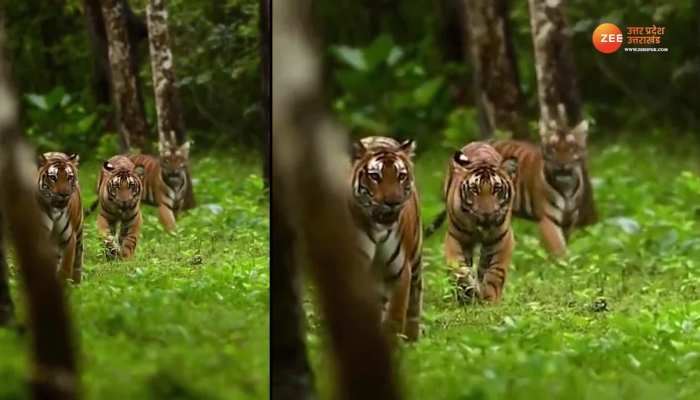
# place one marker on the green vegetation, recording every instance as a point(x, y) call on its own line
point(217, 64)
point(617, 319)
point(187, 318)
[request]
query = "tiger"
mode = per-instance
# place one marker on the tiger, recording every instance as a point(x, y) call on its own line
point(119, 194)
point(164, 180)
point(551, 182)
point(384, 207)
point(58, 195)
point(478, 194)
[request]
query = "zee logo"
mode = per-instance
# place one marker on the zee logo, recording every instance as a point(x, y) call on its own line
point(607, 38)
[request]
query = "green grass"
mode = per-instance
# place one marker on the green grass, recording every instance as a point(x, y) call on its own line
point(550, 338)
point(165, 325)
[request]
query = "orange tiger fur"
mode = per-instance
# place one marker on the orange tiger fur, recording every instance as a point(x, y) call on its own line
point(58, 194)
point(164, 181)
point(478, 192)
point(119, 195)
point(550, 184)
point(384, 206)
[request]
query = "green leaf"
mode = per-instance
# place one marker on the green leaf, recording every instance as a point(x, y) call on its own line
point(55, 97)
point(379, 51)
point(85, 123)
point(424, 93)
point(395, 55)
point(350, 56)
point(37, 101)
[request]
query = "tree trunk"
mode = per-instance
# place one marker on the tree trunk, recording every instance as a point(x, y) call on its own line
point(7, 309)
point(54, 371)
point(557, 88)
point(133, 127)
point(101, 76)
point(291, 377)
point(496, 81)
point(310, 152)
point(171, 125)
point(265, 32)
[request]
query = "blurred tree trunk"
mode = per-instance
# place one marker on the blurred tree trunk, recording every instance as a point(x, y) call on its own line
point(291, 376)
point(133, 127)
point(496, 81)
point(266, 88)
point(171, 124)
point(7, 309)
point(557, 87)
point(54, 371)
point(310, 152)
point(101, 78)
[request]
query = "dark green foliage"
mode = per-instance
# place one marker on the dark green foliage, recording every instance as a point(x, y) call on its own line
point(621, 91)
point(386, 90)
point(60, 122)
point(215, 48)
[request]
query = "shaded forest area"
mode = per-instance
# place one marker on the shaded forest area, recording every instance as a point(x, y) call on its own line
point(58, 51)
point(416, 55)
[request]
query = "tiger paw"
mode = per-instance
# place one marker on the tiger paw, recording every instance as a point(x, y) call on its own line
point(466, 289)
point(111, 249)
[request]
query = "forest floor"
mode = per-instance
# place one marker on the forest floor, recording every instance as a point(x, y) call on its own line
point(187, 317)
point(619, 318)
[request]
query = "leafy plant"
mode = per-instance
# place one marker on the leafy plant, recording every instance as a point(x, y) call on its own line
point(384, 89)
point(57, 121)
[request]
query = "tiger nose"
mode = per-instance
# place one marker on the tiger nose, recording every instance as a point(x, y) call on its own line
point(63, 196)
point(391, 206)
point(489, 218)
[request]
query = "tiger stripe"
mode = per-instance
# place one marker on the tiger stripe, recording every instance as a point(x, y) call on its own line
point(550, 190)
point(165, 182)
point(119, 194)
point(479, 194)
point(58, 195)
point(384, 205)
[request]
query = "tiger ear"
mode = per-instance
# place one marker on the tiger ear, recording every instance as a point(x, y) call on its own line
point(74, 158)
point(358, 150)
point(140, 171)
point(461, 159)
point(41, 160)
point(185, 148)
point(108, 166)
point(408, 147)
point(510, 165)
point(580, 131)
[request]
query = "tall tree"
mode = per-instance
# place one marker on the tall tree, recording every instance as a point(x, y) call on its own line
point(496, 81)
point(265, 38)
point(558, 92)
point(54, 371)
point(133, 127)
point(310, 152)
point(171, 124)
point(101, 76)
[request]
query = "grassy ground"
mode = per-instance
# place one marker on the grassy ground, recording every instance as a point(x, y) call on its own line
point(619, 318)
point(187, 318)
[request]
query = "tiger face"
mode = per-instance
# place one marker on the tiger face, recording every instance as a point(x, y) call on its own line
point(382, 177)
point(123, 187)
point(58, 178)
point(563, 154)
point(173, 162)
point(486, 188)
